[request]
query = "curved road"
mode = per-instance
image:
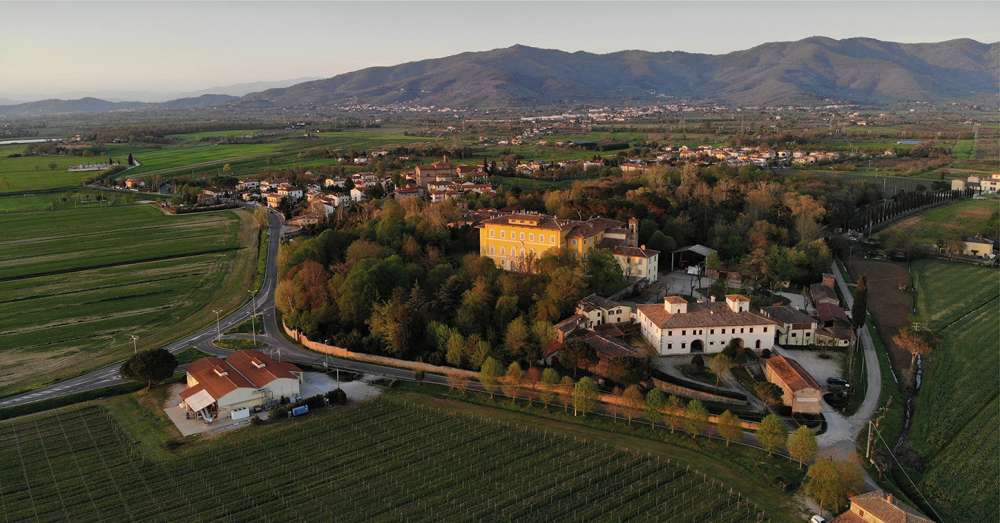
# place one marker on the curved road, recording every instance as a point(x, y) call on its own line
point(263, 302)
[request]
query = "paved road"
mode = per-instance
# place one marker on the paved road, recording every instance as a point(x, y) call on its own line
point(839, 438)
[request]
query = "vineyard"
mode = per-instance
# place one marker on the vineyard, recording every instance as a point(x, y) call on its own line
point(384, 461)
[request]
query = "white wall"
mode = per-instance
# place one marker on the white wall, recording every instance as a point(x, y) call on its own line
point(714, 339)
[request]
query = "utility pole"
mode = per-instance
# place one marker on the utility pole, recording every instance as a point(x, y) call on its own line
point(253, 313)
point(218, 328)
point(135, 347)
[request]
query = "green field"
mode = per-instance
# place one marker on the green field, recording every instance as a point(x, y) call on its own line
point(387, 460)
point(32, 173)
point(193, 156)
point(60, 200)
point(958, 408)
point(75, 283)
point(951, 221)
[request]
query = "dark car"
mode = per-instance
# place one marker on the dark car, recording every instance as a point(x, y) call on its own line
point(838, 382)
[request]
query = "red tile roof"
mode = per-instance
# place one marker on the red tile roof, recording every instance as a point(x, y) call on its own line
point(701, 315)
point(245, 368)
point(791, 373)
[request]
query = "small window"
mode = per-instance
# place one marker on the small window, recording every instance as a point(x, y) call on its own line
point(670, 346)
point(683, 333)
point(711, 331)
point(683, 345)
point(552, 238)
point(531, 237)
point(751, 330)
point(493, 234)
point(503, 234)
point(522, 236)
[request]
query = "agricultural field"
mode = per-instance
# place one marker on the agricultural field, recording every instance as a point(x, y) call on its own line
point(949, 222)
point(387, 460)
point(59, 200)
point(76, 282)
point(33, 173)
point(958, 407)
point(191, 156)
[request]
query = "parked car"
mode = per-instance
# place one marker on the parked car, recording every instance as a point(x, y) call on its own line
point(838, 382)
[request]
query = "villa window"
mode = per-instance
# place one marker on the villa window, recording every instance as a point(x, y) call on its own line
point(493, 234)
point(531, 237)
point(522, 236)
point(711, 331)
point(503, 234)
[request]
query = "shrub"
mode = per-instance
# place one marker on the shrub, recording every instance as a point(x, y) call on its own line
point(698, 362)
point(418, 375)
point(280, 412)
point(315, 402)
point(337, 397)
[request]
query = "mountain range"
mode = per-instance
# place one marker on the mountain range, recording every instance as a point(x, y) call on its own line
point(809, 71)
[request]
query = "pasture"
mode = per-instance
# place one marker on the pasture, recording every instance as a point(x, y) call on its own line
point(76, 282)
point(949, 222)
point(387, 460)
point(958, 408)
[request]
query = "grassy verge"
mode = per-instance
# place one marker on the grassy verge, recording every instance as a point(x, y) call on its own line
point(237, 344)
point(262, 244)
point(246, 327)
point(859, 382)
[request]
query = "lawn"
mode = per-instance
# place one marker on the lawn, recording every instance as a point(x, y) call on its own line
point(390, 459)
point(76, 283)
point(952, 221)
point(957, 410)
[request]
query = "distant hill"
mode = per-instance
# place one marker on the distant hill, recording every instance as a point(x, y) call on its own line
point(812, 70)
point(197, 102)
point(56, 106)
point(245, 88)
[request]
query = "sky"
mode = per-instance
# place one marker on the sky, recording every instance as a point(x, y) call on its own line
point(155, 50)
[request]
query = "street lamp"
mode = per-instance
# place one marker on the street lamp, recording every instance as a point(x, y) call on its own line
point(135, 348)
point(218, 328)
point(253, 324)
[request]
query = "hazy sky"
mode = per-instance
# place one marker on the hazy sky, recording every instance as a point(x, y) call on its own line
point(114, 48)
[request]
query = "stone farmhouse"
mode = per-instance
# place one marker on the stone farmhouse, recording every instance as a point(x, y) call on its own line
point(879, 507)
point(795, 328)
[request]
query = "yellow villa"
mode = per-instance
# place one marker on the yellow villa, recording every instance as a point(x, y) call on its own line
point(516, 241)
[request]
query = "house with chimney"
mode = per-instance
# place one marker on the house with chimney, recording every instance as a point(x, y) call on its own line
point(795, 328)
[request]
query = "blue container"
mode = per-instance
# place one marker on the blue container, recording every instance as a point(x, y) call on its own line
point(301, 410)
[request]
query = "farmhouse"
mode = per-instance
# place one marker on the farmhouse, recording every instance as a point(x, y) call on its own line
point(823, 292)
point(602, 311)
point(677, 327)
point(879, 507)
point(243, 380)
point(795, 328)
point(799, 389)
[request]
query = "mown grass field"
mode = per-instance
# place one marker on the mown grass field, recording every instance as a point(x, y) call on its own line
point(387, 460)
point(952, 221)
point(958, 408)
point(33, 173)
point(76, 282)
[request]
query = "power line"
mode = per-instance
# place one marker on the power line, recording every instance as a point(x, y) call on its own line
point(903, 470)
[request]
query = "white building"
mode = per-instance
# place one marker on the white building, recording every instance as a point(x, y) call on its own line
point(638, 262)
point(245, 379)
point(357, 195)
point(795, 328)
point(598, 311)
point(677, 327)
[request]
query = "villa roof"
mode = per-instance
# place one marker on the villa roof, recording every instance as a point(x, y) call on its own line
point(701, 315)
